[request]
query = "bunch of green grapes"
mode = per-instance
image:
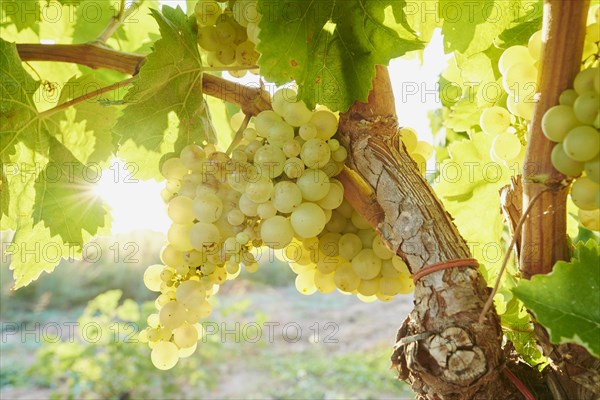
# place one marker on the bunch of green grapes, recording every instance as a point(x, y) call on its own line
point(519, 68)
point(228, 33)
point(574, 124)
point(349, 256)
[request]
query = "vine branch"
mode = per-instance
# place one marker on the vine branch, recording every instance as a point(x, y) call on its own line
point(251, 100)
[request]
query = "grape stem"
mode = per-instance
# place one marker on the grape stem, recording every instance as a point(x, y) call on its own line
point(92, 94)
point(515, 238)
point(239, 134)
point(116, 21)
point(252, 100)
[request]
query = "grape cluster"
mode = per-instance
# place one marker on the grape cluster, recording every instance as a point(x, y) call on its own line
point(228, 33)
point(519, 68)
point(574, 124)
point(276, 191)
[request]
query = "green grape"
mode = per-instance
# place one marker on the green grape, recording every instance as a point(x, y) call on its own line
point(152, 278)
point(400, 265)
point(185, 336)
point(584, 81)
point(192, 157)
point(198, 311)
point(336, 223)
point(282, 97)
point(164, 355)
point(187, 352)
point(558, 121)
point(328, 264)
point(592, 33)
point(535, 45)
point(328, 244)
point(584, 194)
point(345, 278)
point(226, 54)
point(246, 54)
point(190, 292)
point(586, 107)
point(324, 283)
point(424, 149)
point(340, 154)
point(276, 232)
point(334, 144)
point(292, 148)
point(368, 287)
point(315, 153)
point(173, 168)
point(493, 121)
point(563, 163)
point(249, 134)
point(325, 122)
point(207, 12)
point(264, 120)
point(280, 133)
point(349, 245)
point(167, 275)
point(305, 282)
point(253, 32)
point(359, 221)
point(334, 196)
point(260, 190)
point(172, 315)
point(395, 286)
point(171, 256)
point(582, 143)
point(409, 138)
point(235, 217)
point(247, 206)
point(517, 76)
point(203, 235)
point(296, 114)
point(366, 237)
point(180, 211)
point(514, 55)
point(178, 236)
point(207, 207)
point(270, 160)
point(366, 264)
point(568, 97)
point(293, 167)
point(592, 169)
point(314, 184)
point(225, 32)
point(590, 219)
point(308, 220)
point(207, 38)
point(286, 196)
point(380, 249)
point(506, 146)
point(266, 210)
point(308, 131)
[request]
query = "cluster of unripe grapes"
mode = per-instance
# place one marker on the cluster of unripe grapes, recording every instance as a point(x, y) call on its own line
point(519, 68)
point(275, 192)
point(574, 124)
point(228, 33)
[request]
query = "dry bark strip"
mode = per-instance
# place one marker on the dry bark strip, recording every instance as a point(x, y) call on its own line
point(444, 352)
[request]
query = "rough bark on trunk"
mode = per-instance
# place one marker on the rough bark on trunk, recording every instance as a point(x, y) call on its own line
point(442, 350)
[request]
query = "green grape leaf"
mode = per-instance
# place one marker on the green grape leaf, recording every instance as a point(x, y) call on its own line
point(19, 114)
point(463, 115)
point(4, 195)
point(23, 13)
point(472, 26)
point(86, 128)
point(520, 34)
point(518, 328)
point(65, 200)
point(170, 80)
point(34, 250)
point(329, 48)
point(566, 301)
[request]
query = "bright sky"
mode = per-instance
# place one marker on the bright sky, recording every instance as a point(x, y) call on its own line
point(138, 205)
